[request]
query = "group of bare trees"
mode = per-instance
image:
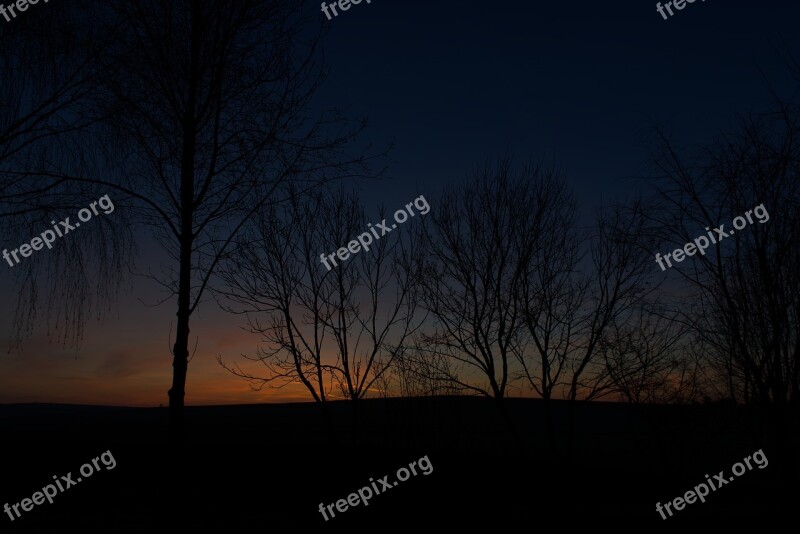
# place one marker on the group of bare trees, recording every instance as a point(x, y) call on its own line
point(500, 288)
point(519, 293)
point(497, 288)
point(197, 118)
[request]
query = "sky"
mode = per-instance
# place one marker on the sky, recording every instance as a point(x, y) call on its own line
point(453, 84)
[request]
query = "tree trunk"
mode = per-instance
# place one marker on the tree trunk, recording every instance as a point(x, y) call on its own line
point(180, 351)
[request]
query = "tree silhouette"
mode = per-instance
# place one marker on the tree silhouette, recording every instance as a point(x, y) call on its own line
point(476, 245)
point(48, 72)
point(617, 283)
point(323, 328)
point(471, 276)
point(204, 110)
point(576, 284)
point(551, 294)
point(746, 284)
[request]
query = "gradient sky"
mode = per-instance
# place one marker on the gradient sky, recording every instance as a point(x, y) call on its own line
point(454, 83)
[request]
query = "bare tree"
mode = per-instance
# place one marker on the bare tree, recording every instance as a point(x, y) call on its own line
point(472, 275)
point(576, 285)
point(746, 282)
point(272, 273)
point(619, 273)
point(551, 295)
point(372, 311)
point(477, 245)
point(340, 328)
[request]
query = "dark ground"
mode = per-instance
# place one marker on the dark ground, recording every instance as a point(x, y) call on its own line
point(266, 466)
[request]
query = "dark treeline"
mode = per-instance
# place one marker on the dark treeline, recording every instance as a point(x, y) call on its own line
point(197, 119)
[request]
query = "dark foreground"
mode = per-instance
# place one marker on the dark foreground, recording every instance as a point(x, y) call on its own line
point(270, 466)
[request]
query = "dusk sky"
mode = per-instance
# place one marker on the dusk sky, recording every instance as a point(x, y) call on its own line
point(452, 84)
